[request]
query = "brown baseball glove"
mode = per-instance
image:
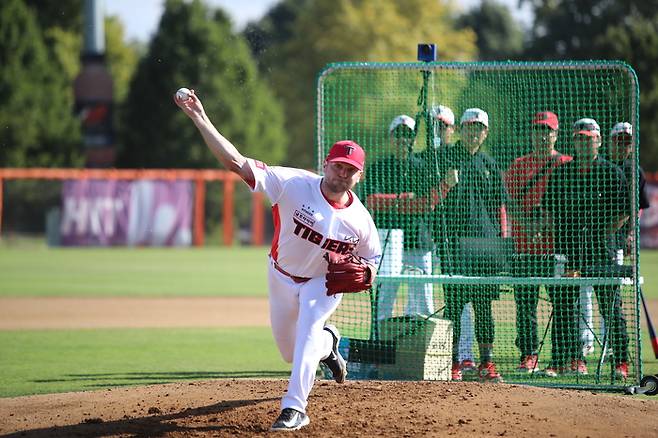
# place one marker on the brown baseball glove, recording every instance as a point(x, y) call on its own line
point(347, 273)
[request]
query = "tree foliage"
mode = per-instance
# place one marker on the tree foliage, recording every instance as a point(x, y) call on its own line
point(606, 29)
point(65, 14)
point(636, 41)
point(313, 33)
point(36, 111)
point(121, 57)
point(274, 29)
point(194, 47)
point(499, 35)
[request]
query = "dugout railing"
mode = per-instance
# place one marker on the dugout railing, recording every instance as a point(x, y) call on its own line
point(359, 101)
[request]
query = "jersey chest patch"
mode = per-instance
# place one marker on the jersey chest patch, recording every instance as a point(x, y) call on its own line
point(305, 232)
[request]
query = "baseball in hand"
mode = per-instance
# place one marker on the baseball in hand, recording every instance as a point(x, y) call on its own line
point(183, 94)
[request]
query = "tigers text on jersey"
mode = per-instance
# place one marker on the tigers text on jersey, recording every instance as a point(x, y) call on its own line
point(306, 225)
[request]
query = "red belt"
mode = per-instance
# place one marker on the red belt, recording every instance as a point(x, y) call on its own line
point(294, 278)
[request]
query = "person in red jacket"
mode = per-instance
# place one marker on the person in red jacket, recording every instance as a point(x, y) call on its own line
point(526, 180)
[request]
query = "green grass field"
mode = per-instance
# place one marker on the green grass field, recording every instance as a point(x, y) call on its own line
point(35, 270)
point(30, 268)
point(48, 361)
point(38, 361)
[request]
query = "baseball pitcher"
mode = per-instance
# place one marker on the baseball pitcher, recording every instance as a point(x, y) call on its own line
point(325, 244)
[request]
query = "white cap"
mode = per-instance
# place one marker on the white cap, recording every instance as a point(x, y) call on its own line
point(622, 128)
point(402, 120)
point(444, 114)
point(587, 127)
point(473, 115)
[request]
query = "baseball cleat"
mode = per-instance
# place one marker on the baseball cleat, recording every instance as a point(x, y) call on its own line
point(469, 370)
point(456, 373)
point(335, 361)
point(468, 366)
point(578, 367)
point(528, 364)
point(290, 419)
point(621, 371)
point(488, 373)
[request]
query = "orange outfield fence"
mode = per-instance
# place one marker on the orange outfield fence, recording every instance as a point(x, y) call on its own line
point(199, 176)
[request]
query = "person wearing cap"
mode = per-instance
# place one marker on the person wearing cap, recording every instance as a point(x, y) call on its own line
point(444, 130)
point(473, 208)
point(397, 192)
point(587, 201)
point(316, 217)
point(620, 153)
point(526, 180)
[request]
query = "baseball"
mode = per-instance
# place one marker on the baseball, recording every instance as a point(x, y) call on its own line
point(183, 94)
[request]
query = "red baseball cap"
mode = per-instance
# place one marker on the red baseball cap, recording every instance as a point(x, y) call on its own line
point(546, 118)
point(347, 151)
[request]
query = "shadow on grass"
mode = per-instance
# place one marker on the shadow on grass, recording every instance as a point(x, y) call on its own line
point(134, 378)
point(156, 425)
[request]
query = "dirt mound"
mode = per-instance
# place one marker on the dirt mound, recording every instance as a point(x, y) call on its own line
point(248, 408)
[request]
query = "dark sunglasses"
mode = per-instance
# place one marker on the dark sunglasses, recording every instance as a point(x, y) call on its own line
point(541, 128)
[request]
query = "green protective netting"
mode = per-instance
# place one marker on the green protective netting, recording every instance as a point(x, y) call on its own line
point(495, 250)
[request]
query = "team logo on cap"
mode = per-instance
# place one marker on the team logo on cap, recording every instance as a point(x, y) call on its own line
point(349, 150)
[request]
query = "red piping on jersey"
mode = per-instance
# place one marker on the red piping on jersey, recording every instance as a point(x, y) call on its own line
point(276, 219)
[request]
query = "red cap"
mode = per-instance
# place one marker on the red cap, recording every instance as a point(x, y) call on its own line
point(347, 151)
point(546, 118)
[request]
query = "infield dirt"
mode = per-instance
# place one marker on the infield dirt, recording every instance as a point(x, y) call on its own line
point(391, 409)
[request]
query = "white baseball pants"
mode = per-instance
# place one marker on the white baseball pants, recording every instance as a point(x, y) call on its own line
point(298, 312)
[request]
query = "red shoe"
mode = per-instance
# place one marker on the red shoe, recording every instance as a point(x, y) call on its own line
point(456, 372)
point(468, 365)
point(487, 372)
point(578, 367)
point(528, 364)
point(621, 371)
point(469, 370)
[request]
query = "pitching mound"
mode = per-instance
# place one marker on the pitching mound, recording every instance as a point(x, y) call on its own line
point(395, 409)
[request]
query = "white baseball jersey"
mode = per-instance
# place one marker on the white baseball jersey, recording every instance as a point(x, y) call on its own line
point(307, 225)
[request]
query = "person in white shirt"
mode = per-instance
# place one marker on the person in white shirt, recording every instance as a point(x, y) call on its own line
point(316, 218)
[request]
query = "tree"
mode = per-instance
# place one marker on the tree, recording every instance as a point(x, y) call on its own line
point(194, 47)
point(499, 35)
point(61, 25)
point(121, 58)
point(273, 30)
point(65, 14)
point(36, 111)
point(635, 40)
point(325, 31)
point(605, 29)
